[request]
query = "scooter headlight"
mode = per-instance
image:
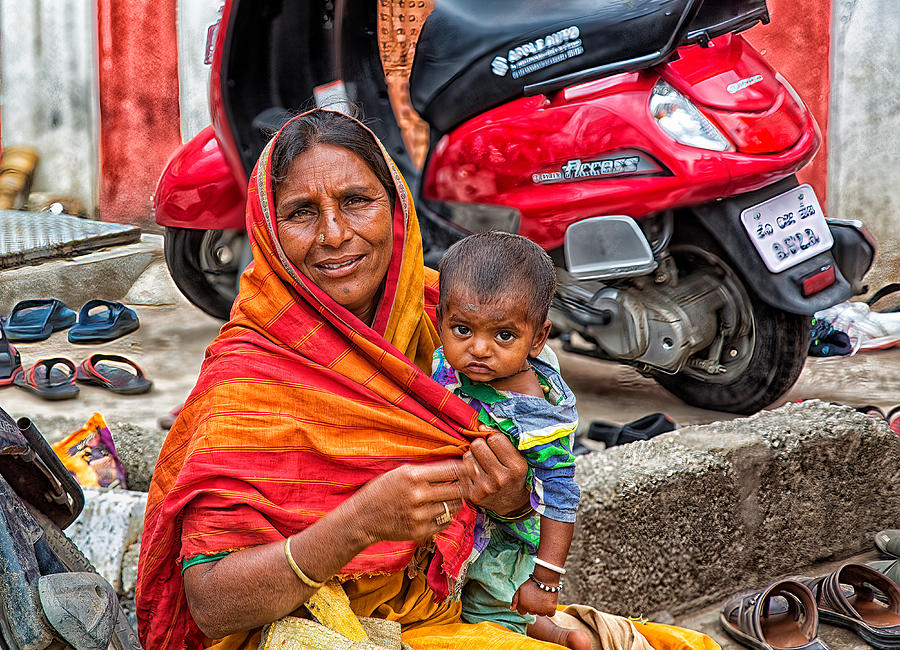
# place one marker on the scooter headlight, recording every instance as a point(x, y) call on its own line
point(678, 117)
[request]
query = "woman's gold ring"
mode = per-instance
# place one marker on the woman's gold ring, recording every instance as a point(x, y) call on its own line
point(444, 518)
point(322, 238)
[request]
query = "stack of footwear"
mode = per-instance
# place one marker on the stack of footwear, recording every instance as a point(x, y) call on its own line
point(786, 614)
point(55, 378)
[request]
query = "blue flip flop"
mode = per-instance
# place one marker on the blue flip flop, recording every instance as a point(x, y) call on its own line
point(112, 321)
point(36, 320)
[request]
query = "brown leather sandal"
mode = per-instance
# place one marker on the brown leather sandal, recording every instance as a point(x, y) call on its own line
point(781, 616)
point(847, 598)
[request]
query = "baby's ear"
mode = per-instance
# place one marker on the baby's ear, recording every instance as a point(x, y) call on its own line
point(540, 339)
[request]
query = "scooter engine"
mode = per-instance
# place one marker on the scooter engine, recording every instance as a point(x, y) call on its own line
point(649, 323)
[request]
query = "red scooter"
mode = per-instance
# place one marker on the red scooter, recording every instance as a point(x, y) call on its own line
point(644, 144)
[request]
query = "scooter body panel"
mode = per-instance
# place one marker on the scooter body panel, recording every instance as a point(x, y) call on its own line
point(198, 188)
point(530, 154)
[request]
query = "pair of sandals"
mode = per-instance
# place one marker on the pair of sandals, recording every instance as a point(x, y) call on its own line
point(55, 379)
point(98, 321)
point(786, 614)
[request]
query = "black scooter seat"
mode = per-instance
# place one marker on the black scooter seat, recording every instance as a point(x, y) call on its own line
point(475, 54)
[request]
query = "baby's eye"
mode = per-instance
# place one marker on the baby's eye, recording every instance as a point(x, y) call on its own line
point(506, 337)
point(460, 330)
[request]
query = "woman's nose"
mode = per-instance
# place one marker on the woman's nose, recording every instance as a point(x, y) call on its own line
point(334, 229)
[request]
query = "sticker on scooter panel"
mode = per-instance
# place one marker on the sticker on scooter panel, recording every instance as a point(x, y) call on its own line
point(788, 228)
point(540, 53)
point(622, 164)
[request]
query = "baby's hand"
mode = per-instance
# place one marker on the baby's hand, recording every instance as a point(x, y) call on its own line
point(531, 599)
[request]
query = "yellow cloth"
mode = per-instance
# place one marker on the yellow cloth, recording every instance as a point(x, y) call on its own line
point(430, 626)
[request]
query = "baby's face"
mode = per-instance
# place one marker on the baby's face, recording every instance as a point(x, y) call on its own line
point(488, 341)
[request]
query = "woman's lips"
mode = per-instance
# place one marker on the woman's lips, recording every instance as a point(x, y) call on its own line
point(341, 267)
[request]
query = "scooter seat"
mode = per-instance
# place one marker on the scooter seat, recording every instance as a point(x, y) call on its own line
point(473, 55)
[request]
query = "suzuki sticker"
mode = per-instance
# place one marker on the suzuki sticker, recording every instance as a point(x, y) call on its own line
point(540, 53)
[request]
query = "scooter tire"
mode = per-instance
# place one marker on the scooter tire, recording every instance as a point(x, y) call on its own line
point(779, 353)
point(183, 251)
point(123, 636)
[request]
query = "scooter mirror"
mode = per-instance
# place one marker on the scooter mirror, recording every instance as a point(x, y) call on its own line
point(81, 607)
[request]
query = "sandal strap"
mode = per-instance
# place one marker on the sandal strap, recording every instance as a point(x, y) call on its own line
point(89, 365)
point(862, 578)
point(884, 291)
point(49, 364)
point(113, 308)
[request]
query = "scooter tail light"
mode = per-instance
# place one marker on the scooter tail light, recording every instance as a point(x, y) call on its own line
point(818, 281)
point(680, 119)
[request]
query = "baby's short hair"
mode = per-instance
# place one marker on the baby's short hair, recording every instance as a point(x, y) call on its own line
point(490, 265)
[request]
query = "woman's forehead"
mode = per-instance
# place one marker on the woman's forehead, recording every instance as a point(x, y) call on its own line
point(329, 167)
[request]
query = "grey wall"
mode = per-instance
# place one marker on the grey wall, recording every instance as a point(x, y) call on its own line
point(864, 151)
point(49, 95)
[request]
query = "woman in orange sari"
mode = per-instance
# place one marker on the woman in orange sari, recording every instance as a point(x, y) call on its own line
point(315, 447)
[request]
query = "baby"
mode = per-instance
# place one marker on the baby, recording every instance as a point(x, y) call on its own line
point(495, 292)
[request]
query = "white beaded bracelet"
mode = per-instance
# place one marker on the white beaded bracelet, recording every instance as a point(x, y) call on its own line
point(552, 567)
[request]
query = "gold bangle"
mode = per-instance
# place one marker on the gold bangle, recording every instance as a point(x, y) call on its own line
point(305, 579)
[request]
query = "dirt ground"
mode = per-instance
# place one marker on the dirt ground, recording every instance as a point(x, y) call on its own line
point(170, 343)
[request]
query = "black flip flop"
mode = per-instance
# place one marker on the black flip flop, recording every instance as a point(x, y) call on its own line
point(47, 381)
point(36, 320)
point(10, 361)
point(95, 372)
point(643, 428)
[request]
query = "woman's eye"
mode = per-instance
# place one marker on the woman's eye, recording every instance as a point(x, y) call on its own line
point(506, 337)
point(301, 213)
point(357, 200)
point(461, 330)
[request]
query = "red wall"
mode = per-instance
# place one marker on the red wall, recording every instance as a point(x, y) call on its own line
point(140, 124)
point(798, 44)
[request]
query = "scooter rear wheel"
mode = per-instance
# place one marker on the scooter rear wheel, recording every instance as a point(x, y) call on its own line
point(768, 360)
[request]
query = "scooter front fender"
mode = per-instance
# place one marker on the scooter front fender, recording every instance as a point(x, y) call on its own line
point(198, 190)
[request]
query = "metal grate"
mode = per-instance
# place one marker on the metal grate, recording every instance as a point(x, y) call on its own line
point(29, 237)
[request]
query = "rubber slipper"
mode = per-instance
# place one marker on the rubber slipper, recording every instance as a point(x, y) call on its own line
point(10, 361)
point(36, 320)
point(100, 370)
point(783, 615)
point(888, 568)
point(847, 598)
point(45, 379)
point(888, 542)
point(109, 322)
point(643, 428)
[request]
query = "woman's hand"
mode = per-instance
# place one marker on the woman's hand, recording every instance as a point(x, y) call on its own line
point(408, 503)
point(495, 474)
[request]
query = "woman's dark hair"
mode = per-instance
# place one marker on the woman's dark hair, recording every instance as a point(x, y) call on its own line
point(495, 265)
point(329, 127)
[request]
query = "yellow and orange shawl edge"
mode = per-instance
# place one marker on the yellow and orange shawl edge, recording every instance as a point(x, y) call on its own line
point(299, 404)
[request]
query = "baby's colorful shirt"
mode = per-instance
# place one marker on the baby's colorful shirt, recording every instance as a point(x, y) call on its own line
point(542, 429)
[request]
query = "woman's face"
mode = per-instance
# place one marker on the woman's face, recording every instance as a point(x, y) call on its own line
point(334, 222)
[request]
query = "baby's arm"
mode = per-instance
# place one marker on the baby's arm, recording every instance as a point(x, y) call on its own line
point(556, 536)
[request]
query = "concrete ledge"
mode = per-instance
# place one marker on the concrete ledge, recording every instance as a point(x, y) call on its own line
point(689, 517)
point(108, 273)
